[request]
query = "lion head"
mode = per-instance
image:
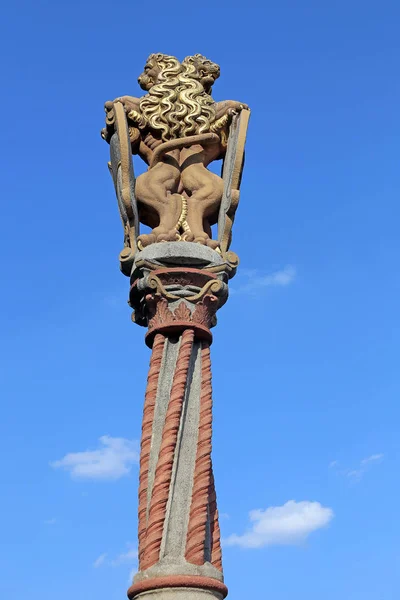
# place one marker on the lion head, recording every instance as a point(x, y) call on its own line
point(201, 68)
point(158, 68)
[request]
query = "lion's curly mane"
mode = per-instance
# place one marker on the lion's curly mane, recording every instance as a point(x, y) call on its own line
point(177, 105)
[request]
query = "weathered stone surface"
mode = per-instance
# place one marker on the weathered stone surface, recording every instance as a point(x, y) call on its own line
point(181, 586)
point(174, 540)
point(176, 254)
point(174, 271)
point(180, 594)
point(162, 399)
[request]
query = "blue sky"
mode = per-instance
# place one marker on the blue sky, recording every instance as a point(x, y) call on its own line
point(305, 358)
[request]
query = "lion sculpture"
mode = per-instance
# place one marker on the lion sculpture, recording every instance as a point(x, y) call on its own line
point(178, 130)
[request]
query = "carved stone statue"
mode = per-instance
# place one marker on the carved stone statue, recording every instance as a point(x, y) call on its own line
point(179, 279)
point(178, 130)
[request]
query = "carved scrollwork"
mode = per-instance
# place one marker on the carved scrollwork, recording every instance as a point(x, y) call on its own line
point(212, 286)
point(169, 301)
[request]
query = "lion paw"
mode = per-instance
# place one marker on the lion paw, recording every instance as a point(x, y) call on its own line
point(145, 240)
point(214, 244)
point(237, 107)
point(188, 236)
point(170, 236)
point(200, 240)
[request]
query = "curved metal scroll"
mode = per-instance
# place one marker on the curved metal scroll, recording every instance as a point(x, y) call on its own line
point(121, 169)
point(231, 175)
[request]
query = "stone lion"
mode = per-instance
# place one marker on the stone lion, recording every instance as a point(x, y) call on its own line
point(178, 130)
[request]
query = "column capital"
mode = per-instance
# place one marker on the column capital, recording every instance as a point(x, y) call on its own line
point(179, 285)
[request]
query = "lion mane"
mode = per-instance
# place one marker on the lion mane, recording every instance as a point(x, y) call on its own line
point(178, 103)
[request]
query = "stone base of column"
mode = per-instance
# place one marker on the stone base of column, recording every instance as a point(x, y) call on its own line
point(179, 594)
point(178, 587)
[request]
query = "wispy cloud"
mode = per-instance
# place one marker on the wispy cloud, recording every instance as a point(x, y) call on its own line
point(365, 464)
point(224, 516)
point(289, 524)
point(100, 560)
point(129, 557)
point(132, 573)
point(111, 461)
point(357, 473)
point(52, 521)
point(254, 280)
point(372, 459)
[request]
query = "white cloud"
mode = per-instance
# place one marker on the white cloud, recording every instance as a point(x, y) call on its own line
point(289, 524)
point(130, 556)
point(52, 521)
point(256, 279)
point(371, 459)
point(365, 464)
point(224, 516)
point(132, 573)
point(100, 560)
point(333, 463)
point(111, 461)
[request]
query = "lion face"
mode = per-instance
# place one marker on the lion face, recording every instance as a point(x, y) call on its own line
point(203, 69)
point(149, 77)
point(158, 68)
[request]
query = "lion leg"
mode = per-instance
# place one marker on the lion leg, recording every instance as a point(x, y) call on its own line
point(204, 191)
point(169, 217)
point(154, 189)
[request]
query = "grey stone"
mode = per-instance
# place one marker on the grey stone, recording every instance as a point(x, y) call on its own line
point(174, 542)
point(178, 254)
point(228, 168)
point(180, 594)
point(170, 565)
point(162, 399)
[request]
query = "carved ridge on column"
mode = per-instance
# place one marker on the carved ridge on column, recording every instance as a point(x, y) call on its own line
point(162, 479)
point(147, 430)
point(216, 551)
point(198, 517)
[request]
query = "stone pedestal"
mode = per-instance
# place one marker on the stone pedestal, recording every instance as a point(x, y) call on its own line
point(176, 290)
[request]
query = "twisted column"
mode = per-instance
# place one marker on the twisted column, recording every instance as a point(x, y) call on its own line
point(179, 537)
point(215, 534)
point(147, 428)
point(198, 518)
point(162, 479)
